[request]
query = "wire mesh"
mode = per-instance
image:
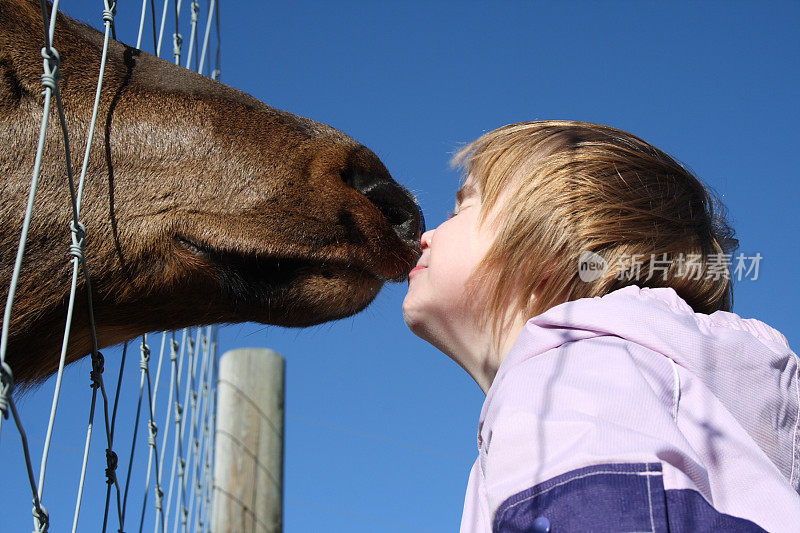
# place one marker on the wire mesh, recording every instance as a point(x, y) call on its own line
point(198, 388)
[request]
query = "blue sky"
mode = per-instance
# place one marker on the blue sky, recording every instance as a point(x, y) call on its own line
point(380, 427)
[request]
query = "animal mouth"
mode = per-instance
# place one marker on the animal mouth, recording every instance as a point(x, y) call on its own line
point(284, 290)
point(269, 266)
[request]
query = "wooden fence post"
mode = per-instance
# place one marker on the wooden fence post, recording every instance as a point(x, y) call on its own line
point(248, 455)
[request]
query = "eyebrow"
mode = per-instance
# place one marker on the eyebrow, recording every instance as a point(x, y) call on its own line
point(464, 190)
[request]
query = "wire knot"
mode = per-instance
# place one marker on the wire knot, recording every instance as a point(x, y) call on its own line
point(111, 467)
point(98, 366)
point(51, 55)
point(151, 440)
point(177, 41)
point(144, 362)
point(76, 251)
point(159, 497)
point(173, 354)
point(6, 387)
point(195, 11)
point(78, 231)
point(215, 74)
point(50, 81)
point(108, 15)
point(78, 240)
point(178, 413)
point(51, 73)
point(41, 516)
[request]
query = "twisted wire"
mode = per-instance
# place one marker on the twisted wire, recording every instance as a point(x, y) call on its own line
point(177, 39)
point(152, 440)
point(178, 414)
point(176, 364)
point(144, 367)
point(6, 387)
point(217, 65)
point(204, 482)
point(206, 35)
point(180, 501)
point(96, 374)
point(195, 9)
point(197, 414)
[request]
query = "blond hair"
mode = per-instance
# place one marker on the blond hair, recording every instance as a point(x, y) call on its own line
point(574, 188)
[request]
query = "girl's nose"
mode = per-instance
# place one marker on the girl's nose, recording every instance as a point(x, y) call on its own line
point(425, 239)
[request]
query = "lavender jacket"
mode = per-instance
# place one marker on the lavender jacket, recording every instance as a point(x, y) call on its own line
point(631, 412)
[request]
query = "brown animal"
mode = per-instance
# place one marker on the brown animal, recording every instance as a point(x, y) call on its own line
point(202, 204)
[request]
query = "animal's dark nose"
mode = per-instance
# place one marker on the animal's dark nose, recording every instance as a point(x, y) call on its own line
point(397, 204)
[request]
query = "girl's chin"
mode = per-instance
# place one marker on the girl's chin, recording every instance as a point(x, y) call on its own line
point(411, 318)
point(415, 318)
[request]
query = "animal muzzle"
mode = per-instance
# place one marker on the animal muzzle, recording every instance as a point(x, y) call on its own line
point(395, 203)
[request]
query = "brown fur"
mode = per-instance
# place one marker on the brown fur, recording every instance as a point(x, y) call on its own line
point(202, 204)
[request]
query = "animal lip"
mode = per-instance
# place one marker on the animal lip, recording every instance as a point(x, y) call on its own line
point(266, 263)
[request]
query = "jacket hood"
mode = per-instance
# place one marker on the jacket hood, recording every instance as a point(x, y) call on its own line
point(747, 364)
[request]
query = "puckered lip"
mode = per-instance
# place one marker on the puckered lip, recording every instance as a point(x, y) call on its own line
point(212, 254)
point(415, 270)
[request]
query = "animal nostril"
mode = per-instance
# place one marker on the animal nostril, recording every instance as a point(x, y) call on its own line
point(393, 201)
point(357, 180)
point(394, 215)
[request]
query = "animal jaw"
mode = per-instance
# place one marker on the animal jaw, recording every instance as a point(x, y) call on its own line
point(202, 204)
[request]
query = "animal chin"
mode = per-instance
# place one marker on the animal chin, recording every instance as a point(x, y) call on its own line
point(286, 291)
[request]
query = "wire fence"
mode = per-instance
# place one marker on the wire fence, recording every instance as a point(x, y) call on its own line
point(191, 354)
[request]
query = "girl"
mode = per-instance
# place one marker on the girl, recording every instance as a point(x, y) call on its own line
point(583, 283)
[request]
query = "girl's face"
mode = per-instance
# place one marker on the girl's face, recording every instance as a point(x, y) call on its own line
point(436, 306)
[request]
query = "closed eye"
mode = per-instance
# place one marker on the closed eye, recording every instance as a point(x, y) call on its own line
point(460, 206)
